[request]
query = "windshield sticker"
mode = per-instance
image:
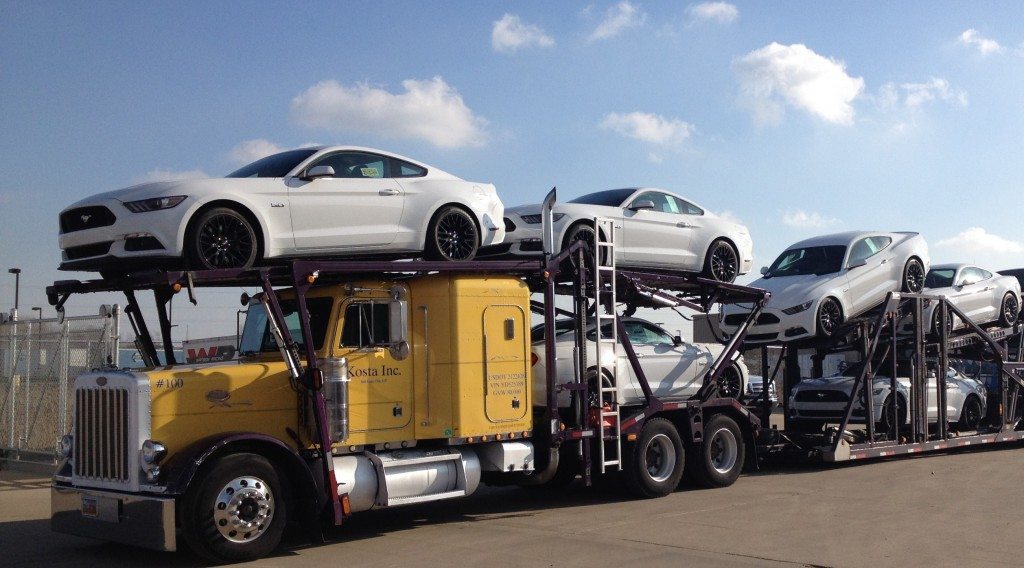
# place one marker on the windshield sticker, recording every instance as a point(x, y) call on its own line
point(370, 172)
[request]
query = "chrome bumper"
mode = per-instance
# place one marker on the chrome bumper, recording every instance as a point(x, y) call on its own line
point(137, 520)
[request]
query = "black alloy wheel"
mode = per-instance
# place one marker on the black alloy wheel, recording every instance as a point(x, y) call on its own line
point(453, 236)
point(830, 317)
point(1010, 310)
point(970, 415)
point(730, 383)
point(722, 262)
point(913, 276)
point(224, 238)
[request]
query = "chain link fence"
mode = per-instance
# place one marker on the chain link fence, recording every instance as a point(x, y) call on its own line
point(39, 360)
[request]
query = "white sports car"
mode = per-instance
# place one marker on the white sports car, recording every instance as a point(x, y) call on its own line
point(814, 402)
point(333, 201)
point(674, 368)
point(981, 295)
point(819, 283)
point(654, 228)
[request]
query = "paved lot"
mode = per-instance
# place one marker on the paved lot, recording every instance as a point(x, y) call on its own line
point(958, 509)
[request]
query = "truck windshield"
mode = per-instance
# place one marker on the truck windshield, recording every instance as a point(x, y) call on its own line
point(257, 337)
point(808, 261)
point(273, 166)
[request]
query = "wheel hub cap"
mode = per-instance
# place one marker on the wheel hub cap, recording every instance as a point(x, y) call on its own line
point(660, 457)
point(244, 509)
point(723, 450)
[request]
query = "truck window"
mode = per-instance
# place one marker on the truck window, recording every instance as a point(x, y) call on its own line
point(257, 338)
point(367, 324)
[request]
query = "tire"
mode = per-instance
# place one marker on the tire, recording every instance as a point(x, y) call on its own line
point(730, 383)
point(452, 235)
point(913, 276)
point(1009, 310)
point(722, 262)
point(718, 461)
point(830, 317)
point(937, 324)
point(970, 415)
point(885, 420)
point(248, 482)
point(222, 238)
point(582, 232)
point(654, 463)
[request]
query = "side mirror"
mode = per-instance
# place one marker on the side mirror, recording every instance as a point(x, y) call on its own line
point(317, 172)
point(856, 264)
point(641, 205)
point(764, 270)
point(677, 341)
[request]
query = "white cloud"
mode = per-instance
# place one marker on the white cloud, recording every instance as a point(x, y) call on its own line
point(651, 157)
point(429, 110)
point(721, 12)
point(170, 175)
point(984, 45)
point(800, 78)
point(252, 150)
point(728, 215)
point(977, 240)
point(510, 34)
point(800, 219)
point(648, 127)
point(617, 19)
point(914, 95)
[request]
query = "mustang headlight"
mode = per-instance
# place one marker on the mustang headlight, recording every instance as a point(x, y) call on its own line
point(154, 204)
point(797, 309)
point(536, 219)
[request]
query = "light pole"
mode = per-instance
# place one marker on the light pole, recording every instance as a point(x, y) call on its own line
point(17, 285)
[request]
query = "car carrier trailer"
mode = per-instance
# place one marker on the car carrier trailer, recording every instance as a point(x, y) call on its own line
point(892, 337)
point(412, 386)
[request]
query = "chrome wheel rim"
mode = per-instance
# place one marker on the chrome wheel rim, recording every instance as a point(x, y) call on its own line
point(244, 509)
point(913, 281)
point(456, 236)
point(724, 450)
point(660, 457)
point(829, 316)
point(225, 241)
point(723, 263)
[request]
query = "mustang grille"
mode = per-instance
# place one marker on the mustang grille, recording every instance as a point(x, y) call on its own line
point(101, 434)
point(86, 218)
point(763, 319)
point(86, 251)
point(821, 396)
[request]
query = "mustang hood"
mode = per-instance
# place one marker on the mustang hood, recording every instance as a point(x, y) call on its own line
point(792, 290)
point(140, 191)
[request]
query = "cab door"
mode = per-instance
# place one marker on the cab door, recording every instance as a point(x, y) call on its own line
point(359, 208)
point(380, 371)
point(506, 363)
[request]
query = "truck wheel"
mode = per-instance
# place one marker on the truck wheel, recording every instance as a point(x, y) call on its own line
point(719, 460)
point(236, 510)
point(654, 463)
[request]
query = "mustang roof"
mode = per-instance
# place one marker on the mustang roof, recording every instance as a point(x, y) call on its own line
point(844, 238)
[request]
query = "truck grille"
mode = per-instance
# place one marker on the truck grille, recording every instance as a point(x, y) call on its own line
point(101, 434)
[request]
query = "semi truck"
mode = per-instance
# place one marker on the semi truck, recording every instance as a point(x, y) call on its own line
point(362, 385)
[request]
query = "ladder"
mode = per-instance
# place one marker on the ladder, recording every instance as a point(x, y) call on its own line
point(607, 338)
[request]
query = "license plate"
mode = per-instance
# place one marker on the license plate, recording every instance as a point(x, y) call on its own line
point(89, 508)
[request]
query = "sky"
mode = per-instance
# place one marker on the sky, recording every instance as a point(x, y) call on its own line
point(796, 118)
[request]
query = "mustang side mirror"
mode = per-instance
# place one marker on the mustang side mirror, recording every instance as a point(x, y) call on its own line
point(764, 270)
point(856, 264)
point(676, 340)
point(317, 172)
point(641, 205)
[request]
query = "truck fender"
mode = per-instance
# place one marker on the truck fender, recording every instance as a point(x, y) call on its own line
point(306, 486)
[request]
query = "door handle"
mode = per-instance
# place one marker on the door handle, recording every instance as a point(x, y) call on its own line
point(884, 260)
point(683, 225)
point(388, 192)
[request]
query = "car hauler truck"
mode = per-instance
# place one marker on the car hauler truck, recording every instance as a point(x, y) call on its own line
point(374, 384)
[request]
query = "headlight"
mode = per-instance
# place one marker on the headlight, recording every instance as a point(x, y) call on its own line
point(153, 452)
point(797, 309)
point(154, 204)
point(67, 444)
point(536, 219)
point(877, 391)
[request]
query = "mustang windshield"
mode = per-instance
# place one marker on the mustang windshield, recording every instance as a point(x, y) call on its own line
point(610, 198)
point(274, 166)
point(257, 337)
point(939, 278)
point(808, 260)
